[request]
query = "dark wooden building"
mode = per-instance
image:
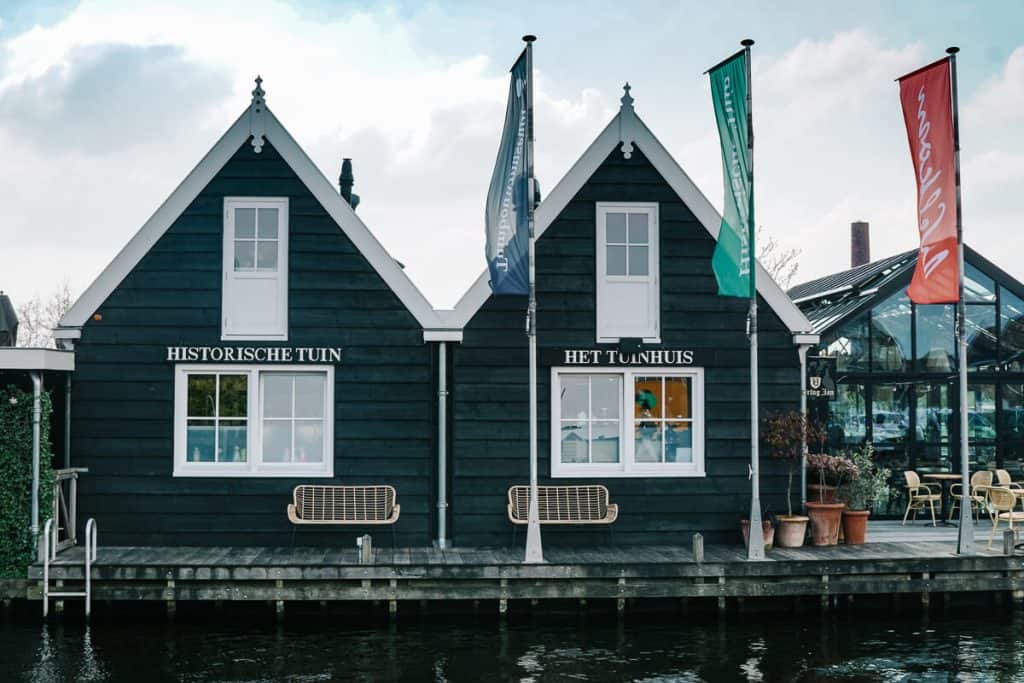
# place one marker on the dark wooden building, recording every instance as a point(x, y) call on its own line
point(252, 336)
point(643, 368)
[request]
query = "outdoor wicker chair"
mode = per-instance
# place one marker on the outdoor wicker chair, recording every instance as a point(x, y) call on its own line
point(919, 495)
point(981, 482)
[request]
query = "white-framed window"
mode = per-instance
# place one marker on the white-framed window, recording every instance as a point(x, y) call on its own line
point(635, 422)
point(255, 295)
point(628, 301)
point(253, 421)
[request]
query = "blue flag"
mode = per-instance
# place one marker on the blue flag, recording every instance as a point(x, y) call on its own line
point(507, 214)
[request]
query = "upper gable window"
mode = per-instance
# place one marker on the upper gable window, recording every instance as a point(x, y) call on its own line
point(255, 295)
point(627, 272)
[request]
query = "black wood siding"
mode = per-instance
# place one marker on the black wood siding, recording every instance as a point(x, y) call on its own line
point(123, 411)
point(491, 435)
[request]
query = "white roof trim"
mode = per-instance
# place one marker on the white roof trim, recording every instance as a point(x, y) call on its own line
point(18, 358)
point(321, 188)
point(627, 127)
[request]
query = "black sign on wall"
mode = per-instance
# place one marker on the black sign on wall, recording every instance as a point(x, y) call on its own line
point(821, 378)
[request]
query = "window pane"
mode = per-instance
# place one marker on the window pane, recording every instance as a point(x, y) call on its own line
point(849, 345)
point(981, 337)
point(1011, 310)
point(890, 416)
point(202, 396)
point(847, 422)
point(574, 397)
point(267, 256)
point(930, 458)
point(981, 412)
point(890, 334)
point(978, 287)
point(245, 255)
point(233, 395)
point(199, 441)
point(309, 396)
point(678, 442)
point(604, 446)
point(616, 260)
point(277, 395)
point(245, 223)
point(574, 442)
point(981, 456)
point(616, 228)
point(638, 228)
point(277, 441)
point(232, 441)
point(647, 401)
point(936, 345)
point(934, 415)
point(268, 223)
point(606, 396)
point(638, 261)
point(1012, 428)
point(309, 441)
point(648, 442)
point(677, 397)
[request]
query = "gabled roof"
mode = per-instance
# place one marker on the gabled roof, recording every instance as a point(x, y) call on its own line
point(627, 129)
point(257, 122)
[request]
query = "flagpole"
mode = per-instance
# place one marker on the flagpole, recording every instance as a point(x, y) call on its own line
point(534, 549)
point(965, 537)
point(755, 547)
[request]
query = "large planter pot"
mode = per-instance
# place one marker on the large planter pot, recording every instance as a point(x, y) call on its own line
point(821, 493)
point(766, 528)
point(791, 531)
point(855, 526)
point(825, 522)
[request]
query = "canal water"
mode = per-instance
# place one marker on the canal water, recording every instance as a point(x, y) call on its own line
point(985, 647)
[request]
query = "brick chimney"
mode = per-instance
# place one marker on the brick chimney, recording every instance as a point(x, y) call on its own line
point(860, 244)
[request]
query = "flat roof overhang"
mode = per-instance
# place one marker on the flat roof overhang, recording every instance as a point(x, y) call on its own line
point(17, 358)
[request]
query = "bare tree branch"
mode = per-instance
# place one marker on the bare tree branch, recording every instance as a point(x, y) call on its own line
point(780, 262)
point(39, 315)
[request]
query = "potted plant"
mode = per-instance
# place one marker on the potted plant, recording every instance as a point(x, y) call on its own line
point(830, 470)
point(870, 485)
point(783, 437)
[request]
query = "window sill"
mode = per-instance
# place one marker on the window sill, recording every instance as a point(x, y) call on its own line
point(605, 473)
point(243, 473)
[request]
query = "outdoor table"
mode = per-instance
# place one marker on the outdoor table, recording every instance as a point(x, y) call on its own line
point(945, 479)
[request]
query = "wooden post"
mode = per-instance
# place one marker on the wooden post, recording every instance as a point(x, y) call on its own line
point(825, 596)
point(279, 604)
point(698, 548)
point(620, 603)
point(172, 605)
point(365, 543)
point(503, 601)
point(721, 598)
point(1009, 541)
point(58, 606)
point(393, 602)
point(926, 597)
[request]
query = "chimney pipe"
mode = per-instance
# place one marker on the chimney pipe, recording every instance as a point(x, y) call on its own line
point(345, 182)
point(860, 244)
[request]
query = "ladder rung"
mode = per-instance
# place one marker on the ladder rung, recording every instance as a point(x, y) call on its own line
point(67, 594)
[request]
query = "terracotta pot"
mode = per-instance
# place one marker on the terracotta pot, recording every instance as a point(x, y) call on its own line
point(821, 493)
point(855, 526)
point(766, 528)
point(825, 522)
point(792, 530)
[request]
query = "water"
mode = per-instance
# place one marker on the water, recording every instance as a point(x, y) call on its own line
point(761, 648)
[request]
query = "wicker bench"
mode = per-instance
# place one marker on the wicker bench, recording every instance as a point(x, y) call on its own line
point(343, 505)
point(582, 504)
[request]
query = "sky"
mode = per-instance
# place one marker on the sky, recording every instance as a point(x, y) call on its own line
point(106, 105)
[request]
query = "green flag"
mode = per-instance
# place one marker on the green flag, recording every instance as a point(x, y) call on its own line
point(733, 260)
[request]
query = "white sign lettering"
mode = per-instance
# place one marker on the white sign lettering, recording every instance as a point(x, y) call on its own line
point(253, 354)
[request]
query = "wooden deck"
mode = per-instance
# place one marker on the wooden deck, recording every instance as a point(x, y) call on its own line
point(917, 559)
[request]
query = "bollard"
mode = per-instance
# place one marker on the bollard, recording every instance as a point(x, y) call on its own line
point(1009, 541)
point(365, 545)
point(698, 548)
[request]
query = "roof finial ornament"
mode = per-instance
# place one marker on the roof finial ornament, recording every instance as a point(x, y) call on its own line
point(627, 122)
point(256, 110)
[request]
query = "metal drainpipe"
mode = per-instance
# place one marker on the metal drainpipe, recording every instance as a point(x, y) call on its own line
point(37, 412)
point(67, 421)
point(803, 411)
point(442, 444)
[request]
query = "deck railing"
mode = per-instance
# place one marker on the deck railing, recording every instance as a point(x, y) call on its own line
point(65, 507)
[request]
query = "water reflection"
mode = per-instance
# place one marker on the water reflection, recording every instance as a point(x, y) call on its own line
point(875, 647)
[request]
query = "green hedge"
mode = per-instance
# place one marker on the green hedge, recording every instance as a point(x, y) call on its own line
point(17, 551)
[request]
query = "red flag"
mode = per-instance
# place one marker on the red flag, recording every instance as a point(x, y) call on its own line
point(928, 114)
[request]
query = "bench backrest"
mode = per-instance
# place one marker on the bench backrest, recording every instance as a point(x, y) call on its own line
point(587, 502)
point(344, 503)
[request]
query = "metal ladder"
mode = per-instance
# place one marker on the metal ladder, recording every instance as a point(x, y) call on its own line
point(50, 544)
